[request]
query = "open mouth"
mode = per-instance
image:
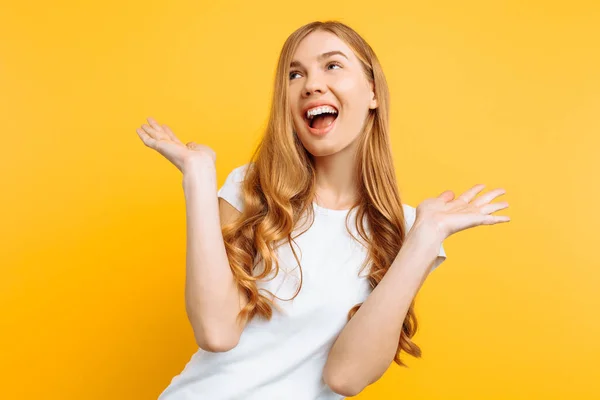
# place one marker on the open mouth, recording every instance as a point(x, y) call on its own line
point(320, 118)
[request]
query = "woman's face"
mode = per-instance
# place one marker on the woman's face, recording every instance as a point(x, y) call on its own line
point(329, 94)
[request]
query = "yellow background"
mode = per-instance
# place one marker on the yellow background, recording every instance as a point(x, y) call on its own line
point(506, 93)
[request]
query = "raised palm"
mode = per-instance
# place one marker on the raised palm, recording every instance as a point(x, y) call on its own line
point(163, 140)
point(449, 215)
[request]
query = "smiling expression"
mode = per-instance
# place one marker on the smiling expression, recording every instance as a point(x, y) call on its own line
point(326, 77)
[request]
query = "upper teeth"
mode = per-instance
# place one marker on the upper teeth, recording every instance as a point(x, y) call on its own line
point(320, 110)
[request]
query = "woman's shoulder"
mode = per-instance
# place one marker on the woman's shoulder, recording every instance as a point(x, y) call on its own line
point(237, 173)
point(410, 214)
point(231, 190)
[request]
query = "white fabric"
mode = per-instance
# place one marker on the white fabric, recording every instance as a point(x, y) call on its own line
point(284, 358)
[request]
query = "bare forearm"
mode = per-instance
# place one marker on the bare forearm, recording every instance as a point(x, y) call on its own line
point(366, 346)
point(211, 295)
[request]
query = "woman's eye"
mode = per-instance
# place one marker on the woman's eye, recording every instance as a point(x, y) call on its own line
point(328, 65)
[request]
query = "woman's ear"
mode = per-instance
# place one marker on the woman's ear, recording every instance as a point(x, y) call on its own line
point(373, 103)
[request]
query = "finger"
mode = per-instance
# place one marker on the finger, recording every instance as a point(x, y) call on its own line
point(489, 196)
point(170, 133)
point(153, 132)
point(147, 139)
point(493, 207)
point(495, 219)
point(154, 124)
point(446, 195)
point(470, 194)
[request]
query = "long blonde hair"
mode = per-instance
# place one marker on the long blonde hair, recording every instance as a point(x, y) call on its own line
point(279, 187)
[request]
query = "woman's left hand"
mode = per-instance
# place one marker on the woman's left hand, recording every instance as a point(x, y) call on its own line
point(448, 215)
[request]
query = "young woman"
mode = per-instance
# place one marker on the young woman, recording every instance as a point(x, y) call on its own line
point(303, 267)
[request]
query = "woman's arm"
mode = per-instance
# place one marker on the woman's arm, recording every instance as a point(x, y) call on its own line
point(368, 343)
point(212, 297)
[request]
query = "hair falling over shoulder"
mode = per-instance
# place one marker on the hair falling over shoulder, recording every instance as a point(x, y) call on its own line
point(278, 188)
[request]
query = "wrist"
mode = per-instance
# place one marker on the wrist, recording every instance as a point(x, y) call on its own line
point(425, 237)
point(197, 164)
point(200, 169)
point(420, 244)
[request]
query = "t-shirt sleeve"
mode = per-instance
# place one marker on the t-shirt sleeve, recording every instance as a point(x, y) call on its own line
point(410, 214)
point(231, 190)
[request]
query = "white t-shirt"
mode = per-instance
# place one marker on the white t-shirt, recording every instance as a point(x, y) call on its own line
point(284, 358)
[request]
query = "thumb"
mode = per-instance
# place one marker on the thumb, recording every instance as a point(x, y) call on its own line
point(446, 195)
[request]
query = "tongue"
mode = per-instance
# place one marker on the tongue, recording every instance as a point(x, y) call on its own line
point(322, 121)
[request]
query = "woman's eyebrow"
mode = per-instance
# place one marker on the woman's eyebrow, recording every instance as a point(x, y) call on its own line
point(295, 63)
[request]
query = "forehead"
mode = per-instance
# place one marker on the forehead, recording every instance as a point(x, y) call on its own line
point(317, 43)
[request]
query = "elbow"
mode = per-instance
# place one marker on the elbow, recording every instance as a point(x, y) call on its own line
point(209, 338)
point(346, 389)
point(216, 343)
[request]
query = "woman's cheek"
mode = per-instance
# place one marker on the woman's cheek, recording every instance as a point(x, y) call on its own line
point(346, 84)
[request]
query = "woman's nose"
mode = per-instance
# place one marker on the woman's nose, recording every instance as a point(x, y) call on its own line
point(314, 85)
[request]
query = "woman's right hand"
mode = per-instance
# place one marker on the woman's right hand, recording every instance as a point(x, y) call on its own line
point(163, 140)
